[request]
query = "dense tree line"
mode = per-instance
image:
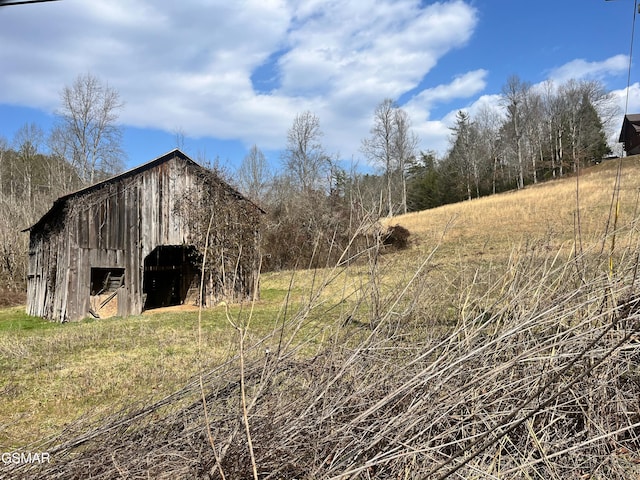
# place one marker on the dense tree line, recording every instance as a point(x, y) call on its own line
point(539, 134)
point(29, 183)
point(314, 204)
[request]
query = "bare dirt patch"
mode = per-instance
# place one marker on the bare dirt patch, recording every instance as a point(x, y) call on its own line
point(174, 308)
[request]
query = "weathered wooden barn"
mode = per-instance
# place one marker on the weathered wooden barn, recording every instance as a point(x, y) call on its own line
point(137, 241)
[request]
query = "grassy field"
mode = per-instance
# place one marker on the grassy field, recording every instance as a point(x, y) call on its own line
point(505, 317)
point(544, 215)
point(53, 373)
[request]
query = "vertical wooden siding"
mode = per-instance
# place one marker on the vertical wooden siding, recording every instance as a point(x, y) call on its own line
point(113, 226)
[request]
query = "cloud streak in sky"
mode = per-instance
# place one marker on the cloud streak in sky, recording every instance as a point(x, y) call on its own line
point(580, 68)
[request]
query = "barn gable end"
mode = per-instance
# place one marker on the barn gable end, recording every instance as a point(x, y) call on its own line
point(630, 134)
point(135, 241)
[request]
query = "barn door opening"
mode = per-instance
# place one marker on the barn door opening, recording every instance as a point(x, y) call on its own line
point(169, 273)
point(105, 285)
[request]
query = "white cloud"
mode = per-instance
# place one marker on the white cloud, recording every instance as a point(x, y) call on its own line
point(346, 58)
point(462, 86)
point(434, 134)
point(376, 48)
point(633, 105)
point(580, 68)
point(622, 100)
point(188, 64)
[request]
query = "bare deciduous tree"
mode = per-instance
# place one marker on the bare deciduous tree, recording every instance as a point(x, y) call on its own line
point(405, 143)
point(87, 133)
point(488, 122)
point(254, 174)
point(179, 137)
point(304, 158)
point(28, 142)
point(379, 147)
point(4, 147)
point(514, 93)
point(391, 144)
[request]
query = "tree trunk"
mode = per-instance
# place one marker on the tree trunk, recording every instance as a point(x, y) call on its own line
point(389, 202)
point(560, 153)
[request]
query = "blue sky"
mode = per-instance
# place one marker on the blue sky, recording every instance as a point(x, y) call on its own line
point(228, 75)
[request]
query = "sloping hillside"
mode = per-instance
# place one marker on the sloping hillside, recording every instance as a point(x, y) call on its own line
point(502, 344)
point(558, 212)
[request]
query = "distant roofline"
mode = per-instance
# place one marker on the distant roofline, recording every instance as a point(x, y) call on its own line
point(632, 119)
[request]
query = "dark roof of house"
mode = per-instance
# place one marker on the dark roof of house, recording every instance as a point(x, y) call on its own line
point(632, 119)
point(175, 153)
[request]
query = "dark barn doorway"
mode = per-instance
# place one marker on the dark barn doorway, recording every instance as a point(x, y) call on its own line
point(169, 274)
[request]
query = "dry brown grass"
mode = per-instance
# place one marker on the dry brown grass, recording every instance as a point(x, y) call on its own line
point(545, 212)
point(538, 378)
point(493, 348)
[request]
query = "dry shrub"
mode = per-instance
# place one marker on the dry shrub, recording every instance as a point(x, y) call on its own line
point(12, 297)
point(539, 378)
point(396, 236)
point(311, 233)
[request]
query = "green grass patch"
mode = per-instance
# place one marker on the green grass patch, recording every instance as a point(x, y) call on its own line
point(15, 319)
point(54, 374)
